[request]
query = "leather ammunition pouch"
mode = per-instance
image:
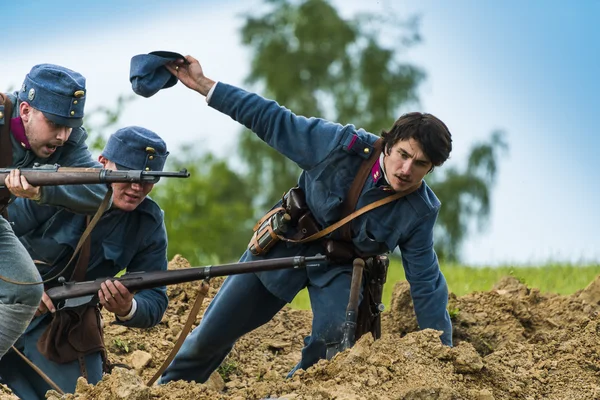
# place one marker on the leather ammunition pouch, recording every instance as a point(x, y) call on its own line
point(293, 214)
point(73, 334)
point(267, 231)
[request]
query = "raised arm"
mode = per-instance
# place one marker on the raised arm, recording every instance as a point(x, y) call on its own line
point(306, 141)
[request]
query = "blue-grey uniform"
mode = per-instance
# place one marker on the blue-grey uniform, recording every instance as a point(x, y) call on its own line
point(134, 240)
point(60, 94)
point(329, 155)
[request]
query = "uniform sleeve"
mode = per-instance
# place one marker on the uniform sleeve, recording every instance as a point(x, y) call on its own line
point(306, 141)
point(428, 286)
point(26, 215)
point(151, 303)
point(82, 199)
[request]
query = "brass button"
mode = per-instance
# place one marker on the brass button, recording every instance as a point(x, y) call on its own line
point(147, 168)
point(1, 115)
point(150, 157)
point(72, 112)
point(74, 101)
point(79, 93)
point(150, 150)
point(366, 150)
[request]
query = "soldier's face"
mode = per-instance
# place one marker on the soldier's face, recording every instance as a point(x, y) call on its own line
point(44, 136)
point(127, 196)
point(406, 165)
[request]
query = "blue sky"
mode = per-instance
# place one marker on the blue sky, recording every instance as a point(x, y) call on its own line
point(528, 68)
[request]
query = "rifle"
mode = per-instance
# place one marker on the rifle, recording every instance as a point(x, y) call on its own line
point(73, 294)
point(52, 175)
point(349, 327)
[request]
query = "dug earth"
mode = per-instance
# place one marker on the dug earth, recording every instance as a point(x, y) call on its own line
point(510, 343)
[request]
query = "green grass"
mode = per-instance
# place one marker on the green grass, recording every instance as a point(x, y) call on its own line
point(549, 278)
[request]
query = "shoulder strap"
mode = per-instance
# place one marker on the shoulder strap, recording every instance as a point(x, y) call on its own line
point(349, 203)
point(5, 144)
point(349, 218)
point(352, 198)
point(84, 256)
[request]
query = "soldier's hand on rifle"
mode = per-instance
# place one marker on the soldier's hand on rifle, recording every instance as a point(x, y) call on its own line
point(45, 306)
point(115, 297)
point(18, 185)
point(190, 73)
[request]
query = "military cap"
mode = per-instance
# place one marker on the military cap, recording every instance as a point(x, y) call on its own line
point(136, 148)
point(148, 73)
point(57, 92)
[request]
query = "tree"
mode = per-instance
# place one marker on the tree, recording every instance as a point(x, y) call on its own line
point(208, 215)
point(309, 59)
point(316, 63)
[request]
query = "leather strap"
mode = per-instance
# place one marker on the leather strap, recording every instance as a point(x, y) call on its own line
point(204, 286)
point(350, 217)
point(349, 203)
point(254, 239)
point(84, 257)
point(5, 146)
point(39, 371)
point(358, 183)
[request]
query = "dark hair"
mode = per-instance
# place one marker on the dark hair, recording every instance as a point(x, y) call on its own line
point(431, 133)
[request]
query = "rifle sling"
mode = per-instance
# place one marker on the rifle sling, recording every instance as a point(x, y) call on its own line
point(84, 256)
point(349, 218)
point(39, 371)
point(184, 332)
point(352, 198)
point(5, 147)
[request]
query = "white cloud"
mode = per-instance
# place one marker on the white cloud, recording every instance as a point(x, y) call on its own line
point(532, 220)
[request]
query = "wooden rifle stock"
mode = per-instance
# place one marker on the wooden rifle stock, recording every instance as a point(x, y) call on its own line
point(146, 280)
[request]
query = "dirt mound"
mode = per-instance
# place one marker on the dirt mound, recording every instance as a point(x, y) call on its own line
point(512, 342)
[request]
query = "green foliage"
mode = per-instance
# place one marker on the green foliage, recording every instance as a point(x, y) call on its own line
point(564, 279)
point(453, 312)
point(465, 195)
point(226, 369)
point(311, 60)
point(121, 346)
point(208, 215)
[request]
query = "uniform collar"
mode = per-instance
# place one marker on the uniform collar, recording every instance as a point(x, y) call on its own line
point(18, 131)
point(378, 174)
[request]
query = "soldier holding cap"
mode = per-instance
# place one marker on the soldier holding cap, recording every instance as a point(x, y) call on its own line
point(330, 155)
point(41, 123)
point(134, 219)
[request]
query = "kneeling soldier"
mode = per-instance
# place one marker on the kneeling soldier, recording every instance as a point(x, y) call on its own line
point(130, 235)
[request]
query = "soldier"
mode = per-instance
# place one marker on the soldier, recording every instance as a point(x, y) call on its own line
point(42, 123)
point(130, 235)
point(330, 156)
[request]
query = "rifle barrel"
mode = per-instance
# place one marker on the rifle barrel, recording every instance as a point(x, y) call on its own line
point(54, 175)
point(146, 280)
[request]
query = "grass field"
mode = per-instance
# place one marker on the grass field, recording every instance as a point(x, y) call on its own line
point(549, 278)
